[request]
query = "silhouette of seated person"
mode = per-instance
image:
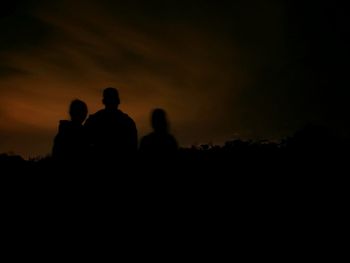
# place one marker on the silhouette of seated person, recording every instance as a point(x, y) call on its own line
point(70, 144)
point(111, 132)
point(160, 142)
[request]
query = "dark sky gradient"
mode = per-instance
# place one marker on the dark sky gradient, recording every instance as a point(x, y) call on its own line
point(221, 69)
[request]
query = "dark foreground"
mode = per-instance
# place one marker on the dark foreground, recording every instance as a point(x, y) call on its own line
point(258, 197)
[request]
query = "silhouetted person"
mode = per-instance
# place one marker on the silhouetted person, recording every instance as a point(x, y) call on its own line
point(71, 143)
point(111, 132)
point(160, 141)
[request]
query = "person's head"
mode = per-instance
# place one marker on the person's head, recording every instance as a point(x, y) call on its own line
point(111, 98)
point(159, 120)
point(78, 111)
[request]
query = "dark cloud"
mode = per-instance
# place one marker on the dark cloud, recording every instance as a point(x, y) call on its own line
point(20, 28)
point(6, 71)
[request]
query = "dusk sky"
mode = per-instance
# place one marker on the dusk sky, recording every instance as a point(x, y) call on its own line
point(221, 69)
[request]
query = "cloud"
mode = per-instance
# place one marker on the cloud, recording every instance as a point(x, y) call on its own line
point(219, 69)
point(7, 71)
point(22, 31)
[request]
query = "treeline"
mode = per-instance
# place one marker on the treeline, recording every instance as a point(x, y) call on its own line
point(310, 145)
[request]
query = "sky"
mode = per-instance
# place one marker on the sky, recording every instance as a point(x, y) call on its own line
point(221, 69)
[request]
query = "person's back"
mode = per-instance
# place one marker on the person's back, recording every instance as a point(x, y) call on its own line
point(160, 141)
point(111, 132)
point(70, 143)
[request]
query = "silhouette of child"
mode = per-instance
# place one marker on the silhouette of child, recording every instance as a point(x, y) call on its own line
point(160, 141)
point(70, 144)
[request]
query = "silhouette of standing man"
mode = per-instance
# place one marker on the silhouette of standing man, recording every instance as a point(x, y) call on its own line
point(111, 132)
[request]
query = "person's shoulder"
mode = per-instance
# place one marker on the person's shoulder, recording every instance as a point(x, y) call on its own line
point(172, 139)
point(95, 116)
point(64, 122)
point(172, 136)
point(147, 137)
point(146, 141)
point(64, 125)
point(98, 113)
point(126, 117)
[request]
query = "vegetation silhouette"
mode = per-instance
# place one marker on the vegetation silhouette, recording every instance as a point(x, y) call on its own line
point(316, 138)
point(313, 150)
